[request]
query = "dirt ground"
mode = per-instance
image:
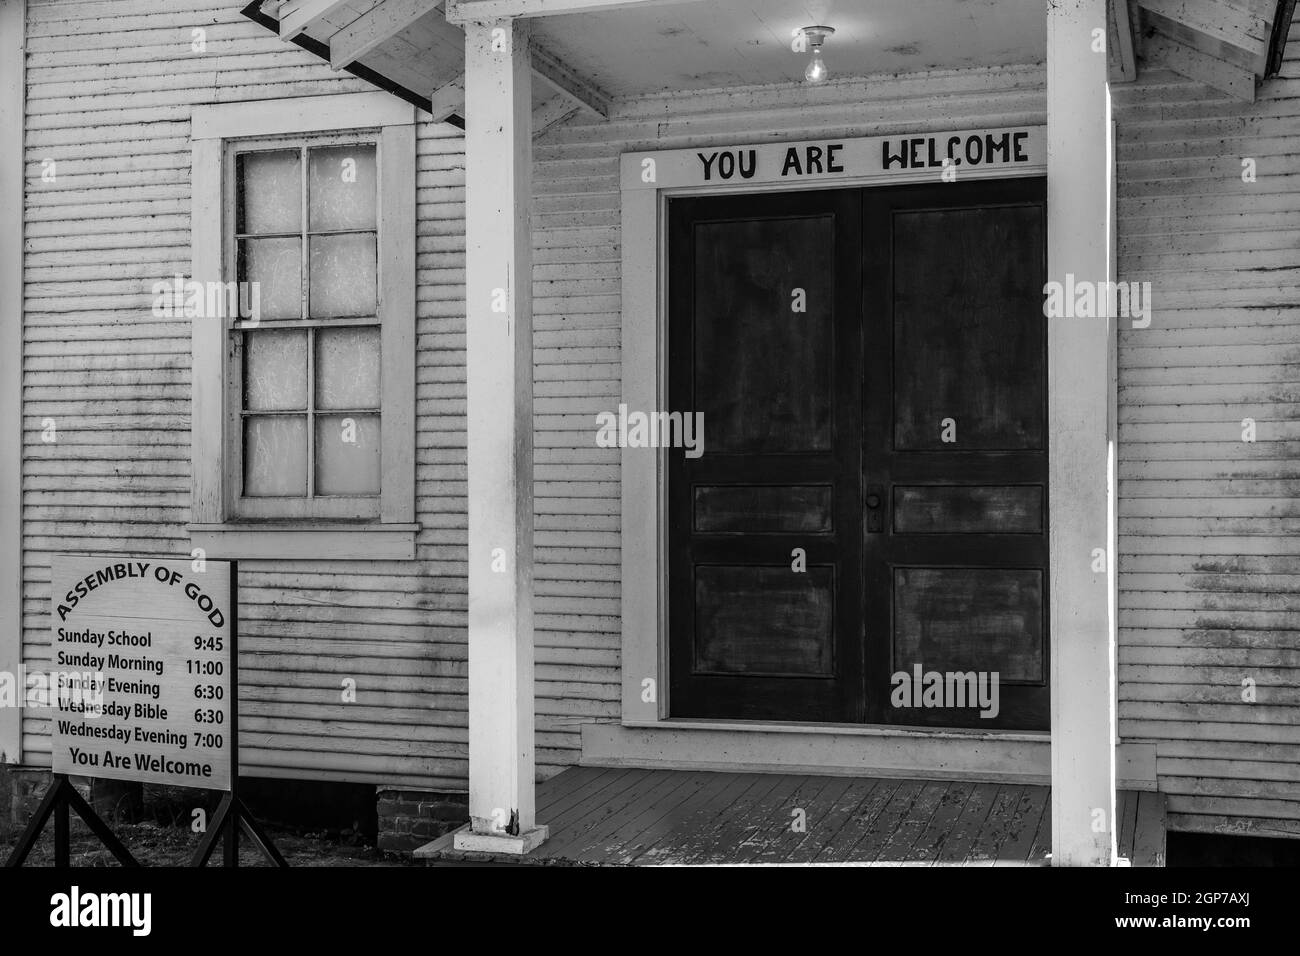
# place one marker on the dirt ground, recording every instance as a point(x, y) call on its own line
point(153, 844)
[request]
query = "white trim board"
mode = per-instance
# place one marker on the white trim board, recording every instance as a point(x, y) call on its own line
point(865, 161)
point(297, 115)
point(12, 38)
point(833, 752)
point(320, 543)
point(644, 333)
point(213, 504)
point(460, 11)
point(843, 751)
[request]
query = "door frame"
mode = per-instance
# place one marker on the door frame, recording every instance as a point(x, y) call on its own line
point(645, 191)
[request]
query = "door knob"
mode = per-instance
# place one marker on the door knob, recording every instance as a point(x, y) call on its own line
point(875, 516)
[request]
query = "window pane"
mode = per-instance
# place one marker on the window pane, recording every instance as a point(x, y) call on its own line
point(275, 370)
point(276, 266)
point(343, 275)
point(268, 192)
point(347, 455)
point(347, 368)
point(341, 188)
point(275, 455)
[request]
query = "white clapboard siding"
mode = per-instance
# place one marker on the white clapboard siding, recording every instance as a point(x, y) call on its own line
point(1209, 564)
point(578, 358)
point(1209, 568)
point(111, 84)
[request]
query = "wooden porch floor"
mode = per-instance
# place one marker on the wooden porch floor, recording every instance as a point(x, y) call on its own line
point(622, 816)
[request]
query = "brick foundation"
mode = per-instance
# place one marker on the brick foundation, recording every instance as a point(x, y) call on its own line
point(7, 827)
point(411, 818)
point(21, 790)
point(407, 819)
point(28, 788)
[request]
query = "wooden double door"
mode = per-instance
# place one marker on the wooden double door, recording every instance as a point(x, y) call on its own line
point(870, 503)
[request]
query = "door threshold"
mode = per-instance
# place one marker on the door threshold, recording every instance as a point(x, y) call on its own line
point(828, 749)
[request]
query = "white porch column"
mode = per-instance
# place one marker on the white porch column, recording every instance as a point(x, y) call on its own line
point(499, 359)
point(1081, 389)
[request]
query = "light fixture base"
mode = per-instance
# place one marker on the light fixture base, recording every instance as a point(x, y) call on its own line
point(817, 34)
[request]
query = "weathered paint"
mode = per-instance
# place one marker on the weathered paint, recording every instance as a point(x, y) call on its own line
point(12, 90)
point(111, 88)
point(1208, 552)
point(1194, 620)
point(1187, 616)
point(1080, 350)
point(584, 365)
point(499, 313)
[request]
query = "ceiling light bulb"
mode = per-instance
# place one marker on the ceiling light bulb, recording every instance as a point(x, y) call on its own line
point(816, 36)
point(816, 71)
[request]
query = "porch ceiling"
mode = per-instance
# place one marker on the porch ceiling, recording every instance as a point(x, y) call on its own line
point(718, 43)
point(409, 46)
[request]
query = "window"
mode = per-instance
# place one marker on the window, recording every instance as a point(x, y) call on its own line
point(304, 388)
point(307, 344)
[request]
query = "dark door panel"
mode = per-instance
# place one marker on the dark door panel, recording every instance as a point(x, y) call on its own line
point(968, 326)
point(870, 365)
point(955, 419)
point(764, 341)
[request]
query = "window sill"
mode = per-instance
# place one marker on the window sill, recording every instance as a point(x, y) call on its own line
point(319, 541)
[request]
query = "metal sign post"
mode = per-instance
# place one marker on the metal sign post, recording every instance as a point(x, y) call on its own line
point(145, 665)
point(61, 796)
point(232, 814)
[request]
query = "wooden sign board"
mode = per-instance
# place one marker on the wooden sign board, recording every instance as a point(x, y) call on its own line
point(916, 157)
point(141, 656)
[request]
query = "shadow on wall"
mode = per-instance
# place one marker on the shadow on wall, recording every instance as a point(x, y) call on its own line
point(1211, 849)
point(312, 804)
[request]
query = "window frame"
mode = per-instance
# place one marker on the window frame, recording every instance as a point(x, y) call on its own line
point(223, 522)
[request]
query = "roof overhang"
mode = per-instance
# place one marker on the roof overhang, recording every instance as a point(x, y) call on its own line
point(586, 53)
point(1230, 46)
point(255, 11)
point(411, 49)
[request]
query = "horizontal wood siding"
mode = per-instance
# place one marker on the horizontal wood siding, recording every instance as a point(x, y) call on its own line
point(110, 87)
point(1209, 564)
point(1209, 570)
point(579, 362)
